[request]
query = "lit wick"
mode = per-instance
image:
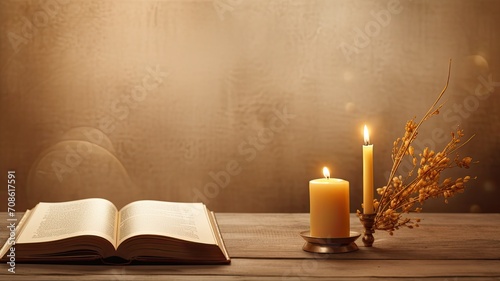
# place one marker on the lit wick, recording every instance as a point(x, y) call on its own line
point(366, 136)
point(326, 173)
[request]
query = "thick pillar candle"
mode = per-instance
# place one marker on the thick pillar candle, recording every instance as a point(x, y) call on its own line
point(329, 207)
point(367, 174)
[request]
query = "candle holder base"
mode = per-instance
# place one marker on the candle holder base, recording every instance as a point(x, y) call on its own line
point(329, 245)
point(368, 221)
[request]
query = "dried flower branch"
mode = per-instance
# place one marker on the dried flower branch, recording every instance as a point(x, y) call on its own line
point(401, 194)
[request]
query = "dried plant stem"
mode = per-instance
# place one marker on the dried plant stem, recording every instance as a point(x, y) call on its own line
point(398, 196)
point(405, 145)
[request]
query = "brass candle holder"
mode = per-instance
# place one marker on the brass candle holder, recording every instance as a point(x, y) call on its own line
point(330, 245)
point(368, 221)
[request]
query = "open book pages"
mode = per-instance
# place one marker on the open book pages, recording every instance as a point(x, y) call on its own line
point(57, 221)
point(186, 221)
point(144, 230)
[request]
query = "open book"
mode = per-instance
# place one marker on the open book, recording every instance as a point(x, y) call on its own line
point(94, 230)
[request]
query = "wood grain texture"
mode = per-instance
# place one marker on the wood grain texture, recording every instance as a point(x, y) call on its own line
point(441, 236)
point(267, 247)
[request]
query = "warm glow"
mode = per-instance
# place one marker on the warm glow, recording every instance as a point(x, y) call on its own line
point(367, 136)
point(326, 173)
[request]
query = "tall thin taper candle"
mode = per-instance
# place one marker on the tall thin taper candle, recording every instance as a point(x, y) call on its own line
point(367, 174)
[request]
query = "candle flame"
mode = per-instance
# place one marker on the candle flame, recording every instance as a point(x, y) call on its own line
point(326, 173)
point(367, 136)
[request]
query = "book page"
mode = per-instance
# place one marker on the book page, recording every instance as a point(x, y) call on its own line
point(55, 221)
point(186, 221)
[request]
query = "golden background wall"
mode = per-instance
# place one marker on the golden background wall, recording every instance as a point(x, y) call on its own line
point(238, 103)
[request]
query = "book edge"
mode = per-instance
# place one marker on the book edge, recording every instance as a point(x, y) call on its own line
point(18, 231)
point(218, 235)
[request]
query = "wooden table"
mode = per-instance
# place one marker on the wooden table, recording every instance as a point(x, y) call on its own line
point(268, 247)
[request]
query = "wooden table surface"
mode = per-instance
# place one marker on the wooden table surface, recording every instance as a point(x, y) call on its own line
point(268, 247)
